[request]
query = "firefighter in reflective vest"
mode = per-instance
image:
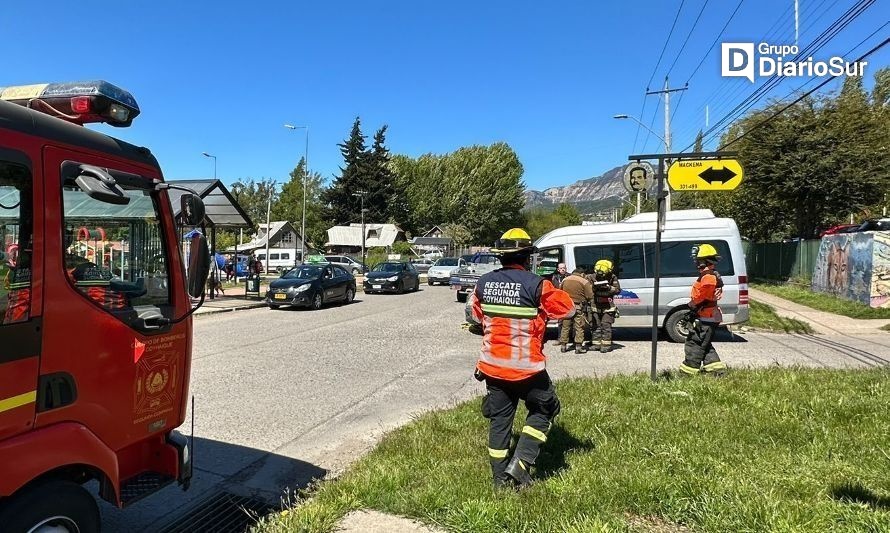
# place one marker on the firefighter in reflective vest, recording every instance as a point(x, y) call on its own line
point(603, 312)
point(705, 315)
point(513, 306)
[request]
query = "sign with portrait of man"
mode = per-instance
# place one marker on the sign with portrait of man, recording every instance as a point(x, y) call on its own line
point(638, 176)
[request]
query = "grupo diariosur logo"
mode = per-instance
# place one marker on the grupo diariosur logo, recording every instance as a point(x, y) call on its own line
point(738, 60)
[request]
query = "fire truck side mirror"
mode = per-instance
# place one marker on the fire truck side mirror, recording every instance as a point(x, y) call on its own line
point(192, 209)
point(99, 185)
point(199, 265)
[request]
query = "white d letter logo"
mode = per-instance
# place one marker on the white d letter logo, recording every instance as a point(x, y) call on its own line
point(737, 60)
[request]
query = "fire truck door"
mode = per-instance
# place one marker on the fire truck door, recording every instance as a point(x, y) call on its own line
point(21, 264)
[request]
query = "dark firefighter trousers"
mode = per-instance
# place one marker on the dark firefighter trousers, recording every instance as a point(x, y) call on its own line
point(499, 406)
point(601, 329)
point(699, 348)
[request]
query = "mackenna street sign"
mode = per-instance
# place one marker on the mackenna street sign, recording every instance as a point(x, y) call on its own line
point(705, 175)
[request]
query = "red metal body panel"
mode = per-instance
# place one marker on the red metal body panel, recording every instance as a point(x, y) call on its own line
point(17, 377)
point(131, 388)
point(46, 449)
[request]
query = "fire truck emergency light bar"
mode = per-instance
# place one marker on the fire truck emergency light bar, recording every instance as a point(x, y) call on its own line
point(78, 102)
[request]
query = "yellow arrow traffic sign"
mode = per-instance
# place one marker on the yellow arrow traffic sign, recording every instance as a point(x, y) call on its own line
point(705, 175)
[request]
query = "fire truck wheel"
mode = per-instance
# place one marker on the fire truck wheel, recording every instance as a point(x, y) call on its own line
point(54, 506)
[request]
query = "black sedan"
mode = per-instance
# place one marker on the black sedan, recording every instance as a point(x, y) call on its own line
point(311, 286)
point(392, 277)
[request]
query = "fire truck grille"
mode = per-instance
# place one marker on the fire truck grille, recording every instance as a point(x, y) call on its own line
point(221, 513)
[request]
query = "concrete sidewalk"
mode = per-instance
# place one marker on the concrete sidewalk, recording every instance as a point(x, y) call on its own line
point(233, 300)
point(822, 321)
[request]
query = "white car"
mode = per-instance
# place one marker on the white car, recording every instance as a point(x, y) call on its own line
point(443, 269)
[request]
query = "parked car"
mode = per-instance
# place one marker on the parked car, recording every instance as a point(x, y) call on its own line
point(311, 286)
point(881, 224)
point(350, 264)
point(392, 276)
point(423, 265)
point(840, 228)
point(443, 269)
point(464, 280)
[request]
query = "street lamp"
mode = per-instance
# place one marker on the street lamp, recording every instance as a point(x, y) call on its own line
point(641, 124)
point(205, 154)
point(305, 177)
point(667, 200)
point(362, 195)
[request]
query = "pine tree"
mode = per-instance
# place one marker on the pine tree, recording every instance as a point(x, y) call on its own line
point(341, 206)
point(379, 183)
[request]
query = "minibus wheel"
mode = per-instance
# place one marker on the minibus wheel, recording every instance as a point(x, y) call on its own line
point(676, 325)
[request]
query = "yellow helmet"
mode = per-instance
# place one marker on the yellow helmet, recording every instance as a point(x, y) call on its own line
point(514, 240)
point(705, 251)
point(603, 266)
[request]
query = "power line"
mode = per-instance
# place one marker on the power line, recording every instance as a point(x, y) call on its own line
point(736, 10)
point(806, 94)
point(827, 35)
point(688, 35)
point(663, 48)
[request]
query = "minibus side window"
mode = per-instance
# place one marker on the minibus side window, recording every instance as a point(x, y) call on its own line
point(16, 227)
point(548, 260)
point(677, 260)
point(626, 258)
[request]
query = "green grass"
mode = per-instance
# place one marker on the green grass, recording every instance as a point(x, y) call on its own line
point(823, 302)
point(765, 450)
point(764, 317)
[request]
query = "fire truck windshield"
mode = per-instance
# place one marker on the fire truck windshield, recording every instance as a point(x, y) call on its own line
point(116, 255)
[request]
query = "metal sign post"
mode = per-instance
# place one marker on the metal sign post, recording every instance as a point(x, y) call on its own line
point(705, 165)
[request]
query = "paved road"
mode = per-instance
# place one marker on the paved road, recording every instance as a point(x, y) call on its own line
point(284, 396)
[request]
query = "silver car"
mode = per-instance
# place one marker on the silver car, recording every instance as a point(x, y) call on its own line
point(443, 269)
point(350, 264)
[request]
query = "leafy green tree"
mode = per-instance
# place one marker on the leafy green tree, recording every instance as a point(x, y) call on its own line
point(699, 142)
point(569, 213)
point(253, 197)
point(289, 205)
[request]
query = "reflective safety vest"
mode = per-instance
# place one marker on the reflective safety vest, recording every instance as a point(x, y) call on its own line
point(513, 306)
point(704, 297)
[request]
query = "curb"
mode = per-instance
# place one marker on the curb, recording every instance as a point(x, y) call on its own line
point(214, 311)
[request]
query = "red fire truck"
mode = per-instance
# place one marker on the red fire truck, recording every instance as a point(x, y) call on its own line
point(95, 307)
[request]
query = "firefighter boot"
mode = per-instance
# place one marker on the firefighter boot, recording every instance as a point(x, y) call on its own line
point(499, 476)
point(605, 346)
point(564, 348)
point(580, 348)
point(517, 470)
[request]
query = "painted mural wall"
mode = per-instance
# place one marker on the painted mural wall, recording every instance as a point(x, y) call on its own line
point(855, 266)
point(880, 278)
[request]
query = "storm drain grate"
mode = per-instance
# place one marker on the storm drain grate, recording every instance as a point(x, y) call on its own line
point(221, 513)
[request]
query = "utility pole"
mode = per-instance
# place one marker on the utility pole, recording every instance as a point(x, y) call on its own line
point(667, 126)
point(362, 195)
point(268, 227)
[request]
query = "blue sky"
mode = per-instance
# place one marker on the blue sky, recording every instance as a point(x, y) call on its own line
point(223, 77)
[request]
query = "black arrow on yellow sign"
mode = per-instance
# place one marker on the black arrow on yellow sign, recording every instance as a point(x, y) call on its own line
point(712, 175)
